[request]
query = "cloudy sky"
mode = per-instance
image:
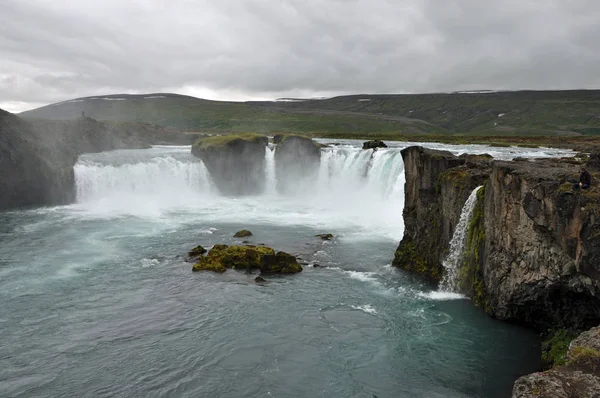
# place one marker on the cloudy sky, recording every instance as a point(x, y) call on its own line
point(54, 50)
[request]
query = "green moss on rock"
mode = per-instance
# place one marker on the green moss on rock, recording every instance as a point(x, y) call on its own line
point(197, 251)
point(458, 176)
point(221, 141)
point(247, 258)
point(470, 274)
point(407, 258)
point(555, 348)
point(208, 264)
point(244, 233)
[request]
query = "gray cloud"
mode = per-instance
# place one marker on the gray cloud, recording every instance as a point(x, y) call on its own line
point(56, 50)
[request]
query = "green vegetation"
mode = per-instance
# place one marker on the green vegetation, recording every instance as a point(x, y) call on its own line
point(457, 175)
point(470, 274)
point(407, 258)
point(585, 356)
point(555, 348)
point(247, 258)
point(220, 141)
point(501, 114)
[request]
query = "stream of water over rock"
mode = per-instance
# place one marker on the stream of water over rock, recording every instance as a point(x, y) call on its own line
point(98, 302)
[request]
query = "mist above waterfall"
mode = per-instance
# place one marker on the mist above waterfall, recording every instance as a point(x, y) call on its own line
point(363, 189)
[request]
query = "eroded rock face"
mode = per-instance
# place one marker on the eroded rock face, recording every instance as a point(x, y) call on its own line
point(541, 263)
point(236, 163)
point(297, 161)
point(437, 186)
point(536, 253)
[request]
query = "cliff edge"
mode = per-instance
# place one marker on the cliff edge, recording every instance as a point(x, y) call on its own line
point(533, 246)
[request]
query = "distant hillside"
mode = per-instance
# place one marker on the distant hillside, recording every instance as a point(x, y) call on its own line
point(574, 112)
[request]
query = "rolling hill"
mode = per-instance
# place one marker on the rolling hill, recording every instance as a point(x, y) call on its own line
point(516, 113)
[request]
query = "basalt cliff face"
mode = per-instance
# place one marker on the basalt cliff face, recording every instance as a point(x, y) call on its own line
point(437, 186)
point(37, 156)
point(532, 253)
point(533, 246)
point(236, 163)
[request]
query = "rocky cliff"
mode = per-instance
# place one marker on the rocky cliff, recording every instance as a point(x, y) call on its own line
point(437, 186)
point(37, 156)
point(236, 163)
point(578, 377)
point(533, 247)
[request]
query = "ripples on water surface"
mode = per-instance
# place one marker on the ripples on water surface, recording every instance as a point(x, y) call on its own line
point(96, 304)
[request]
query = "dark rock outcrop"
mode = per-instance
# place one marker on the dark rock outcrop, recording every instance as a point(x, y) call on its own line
point(541, 252)
point(236, 163)
point(373, 144)
point(437, 186)
point(533, 249)
point(37, 156)
point(281, 262)
point(244, 233)
point(297, 161)
point(579, 377)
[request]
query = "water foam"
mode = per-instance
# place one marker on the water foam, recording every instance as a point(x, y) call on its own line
point(148, 183)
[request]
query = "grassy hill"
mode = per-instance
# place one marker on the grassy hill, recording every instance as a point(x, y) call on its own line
point(518, 113)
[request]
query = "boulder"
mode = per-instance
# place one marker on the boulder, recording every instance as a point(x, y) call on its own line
point(374, 144)
point(280, 263)
point(297, 161)
point(195, 253)
point(259, 279)
point(244, 233)
point(236, 162)
point(579, 377)
point(247, 258)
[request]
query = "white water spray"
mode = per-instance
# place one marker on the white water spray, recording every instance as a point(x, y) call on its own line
point(270, 170)
point(453, 261)
point(356, 187)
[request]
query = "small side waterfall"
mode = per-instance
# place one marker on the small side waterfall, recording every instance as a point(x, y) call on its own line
point(455, 257)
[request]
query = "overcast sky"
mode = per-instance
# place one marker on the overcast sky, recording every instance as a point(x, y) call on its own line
point(54, 50)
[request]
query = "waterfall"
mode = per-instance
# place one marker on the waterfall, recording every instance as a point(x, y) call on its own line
point(134, 181)
point(270, 170)
point(364, 186)
point(453, 261)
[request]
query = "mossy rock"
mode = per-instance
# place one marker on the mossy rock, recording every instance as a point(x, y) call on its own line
point(244, 233)
point(281, 262)
point(247, 258)
point(208, 264)
point(197, 251)
point(222, 141)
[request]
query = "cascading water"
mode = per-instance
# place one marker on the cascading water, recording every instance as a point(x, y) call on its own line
point(270, 169)
point(365, 187)
point(455, 257)
point(137, 181)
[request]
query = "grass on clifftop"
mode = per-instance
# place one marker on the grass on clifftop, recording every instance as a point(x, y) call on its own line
point(219, 141)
